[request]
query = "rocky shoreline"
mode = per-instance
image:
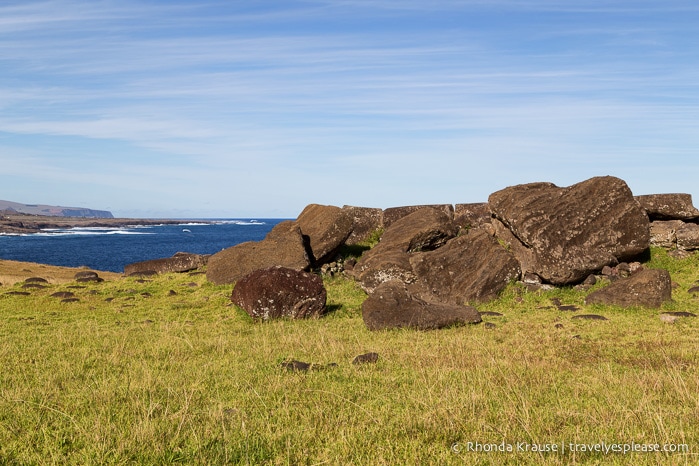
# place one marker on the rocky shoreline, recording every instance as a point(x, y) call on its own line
point(22, 224)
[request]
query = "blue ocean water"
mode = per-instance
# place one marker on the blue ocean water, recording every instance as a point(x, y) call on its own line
point(110, 249)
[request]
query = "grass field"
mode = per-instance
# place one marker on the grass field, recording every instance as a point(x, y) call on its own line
point(169, 372)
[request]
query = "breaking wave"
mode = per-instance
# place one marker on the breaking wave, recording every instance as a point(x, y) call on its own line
point(240, 222)
point(94, 231)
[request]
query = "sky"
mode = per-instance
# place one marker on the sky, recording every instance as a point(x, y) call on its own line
point(256, 108)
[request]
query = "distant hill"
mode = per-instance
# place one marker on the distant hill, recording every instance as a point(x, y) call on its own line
point(53, 211)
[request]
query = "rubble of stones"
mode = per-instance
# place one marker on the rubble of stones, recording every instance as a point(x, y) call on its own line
point(431, 261)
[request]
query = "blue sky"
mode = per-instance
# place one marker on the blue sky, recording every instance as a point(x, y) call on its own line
point(257, 108)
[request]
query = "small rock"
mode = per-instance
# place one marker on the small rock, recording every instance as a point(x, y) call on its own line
point(90, 280)
point(568, 307)
point(668, 319)
point(36, 286)
point(489, 325)
point(70, 300)
point(86, 274)
point(531, 279)
point(491, 314)
point(36, 280)
point(63, 295)
point(623, 269)
point(295, 365)
point(300, 366)
point(367, 358)
point(635, 267)
point(590, 280)
point(590, 317)
point(532, 288)
point(680, 314)
point(559, 326)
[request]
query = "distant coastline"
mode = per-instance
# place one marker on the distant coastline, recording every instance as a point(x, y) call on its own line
point(11, 207)
point(22, 224)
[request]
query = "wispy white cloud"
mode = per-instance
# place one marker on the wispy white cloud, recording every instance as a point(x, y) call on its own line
point(577, 6)
point(299, 93)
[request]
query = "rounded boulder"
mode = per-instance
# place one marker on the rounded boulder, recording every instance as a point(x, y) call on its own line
point(280, 292)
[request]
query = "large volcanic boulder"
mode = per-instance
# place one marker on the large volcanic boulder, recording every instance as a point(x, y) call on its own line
point(663, 233)
point(688, 236)
point(471, 267)
point(282, 246)
point(180, 262)
point(423, 230)
point(471, 215)
point(279, 292)
point(565, 234)
point(393, 214)
point(365, 221)
point(669, 206)
point(392, 306)
point(325, 229)
point(381, 266)
point(645, 288)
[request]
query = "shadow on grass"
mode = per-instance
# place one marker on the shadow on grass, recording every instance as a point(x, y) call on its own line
point(355, 251)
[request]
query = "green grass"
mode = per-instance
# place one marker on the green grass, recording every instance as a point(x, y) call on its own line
point(190, 379)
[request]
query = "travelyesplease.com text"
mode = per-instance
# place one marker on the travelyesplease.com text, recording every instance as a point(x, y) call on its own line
point(566, 447)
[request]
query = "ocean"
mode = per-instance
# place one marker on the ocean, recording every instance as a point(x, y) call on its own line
point(110, 249)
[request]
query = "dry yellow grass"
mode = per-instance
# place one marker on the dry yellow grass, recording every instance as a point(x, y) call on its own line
point(133, 373)
point(12, 272)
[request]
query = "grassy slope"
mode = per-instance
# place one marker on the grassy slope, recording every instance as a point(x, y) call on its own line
point(187, 378)
point(12, 272)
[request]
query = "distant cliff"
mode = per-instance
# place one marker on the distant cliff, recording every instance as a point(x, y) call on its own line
point(53, 211)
